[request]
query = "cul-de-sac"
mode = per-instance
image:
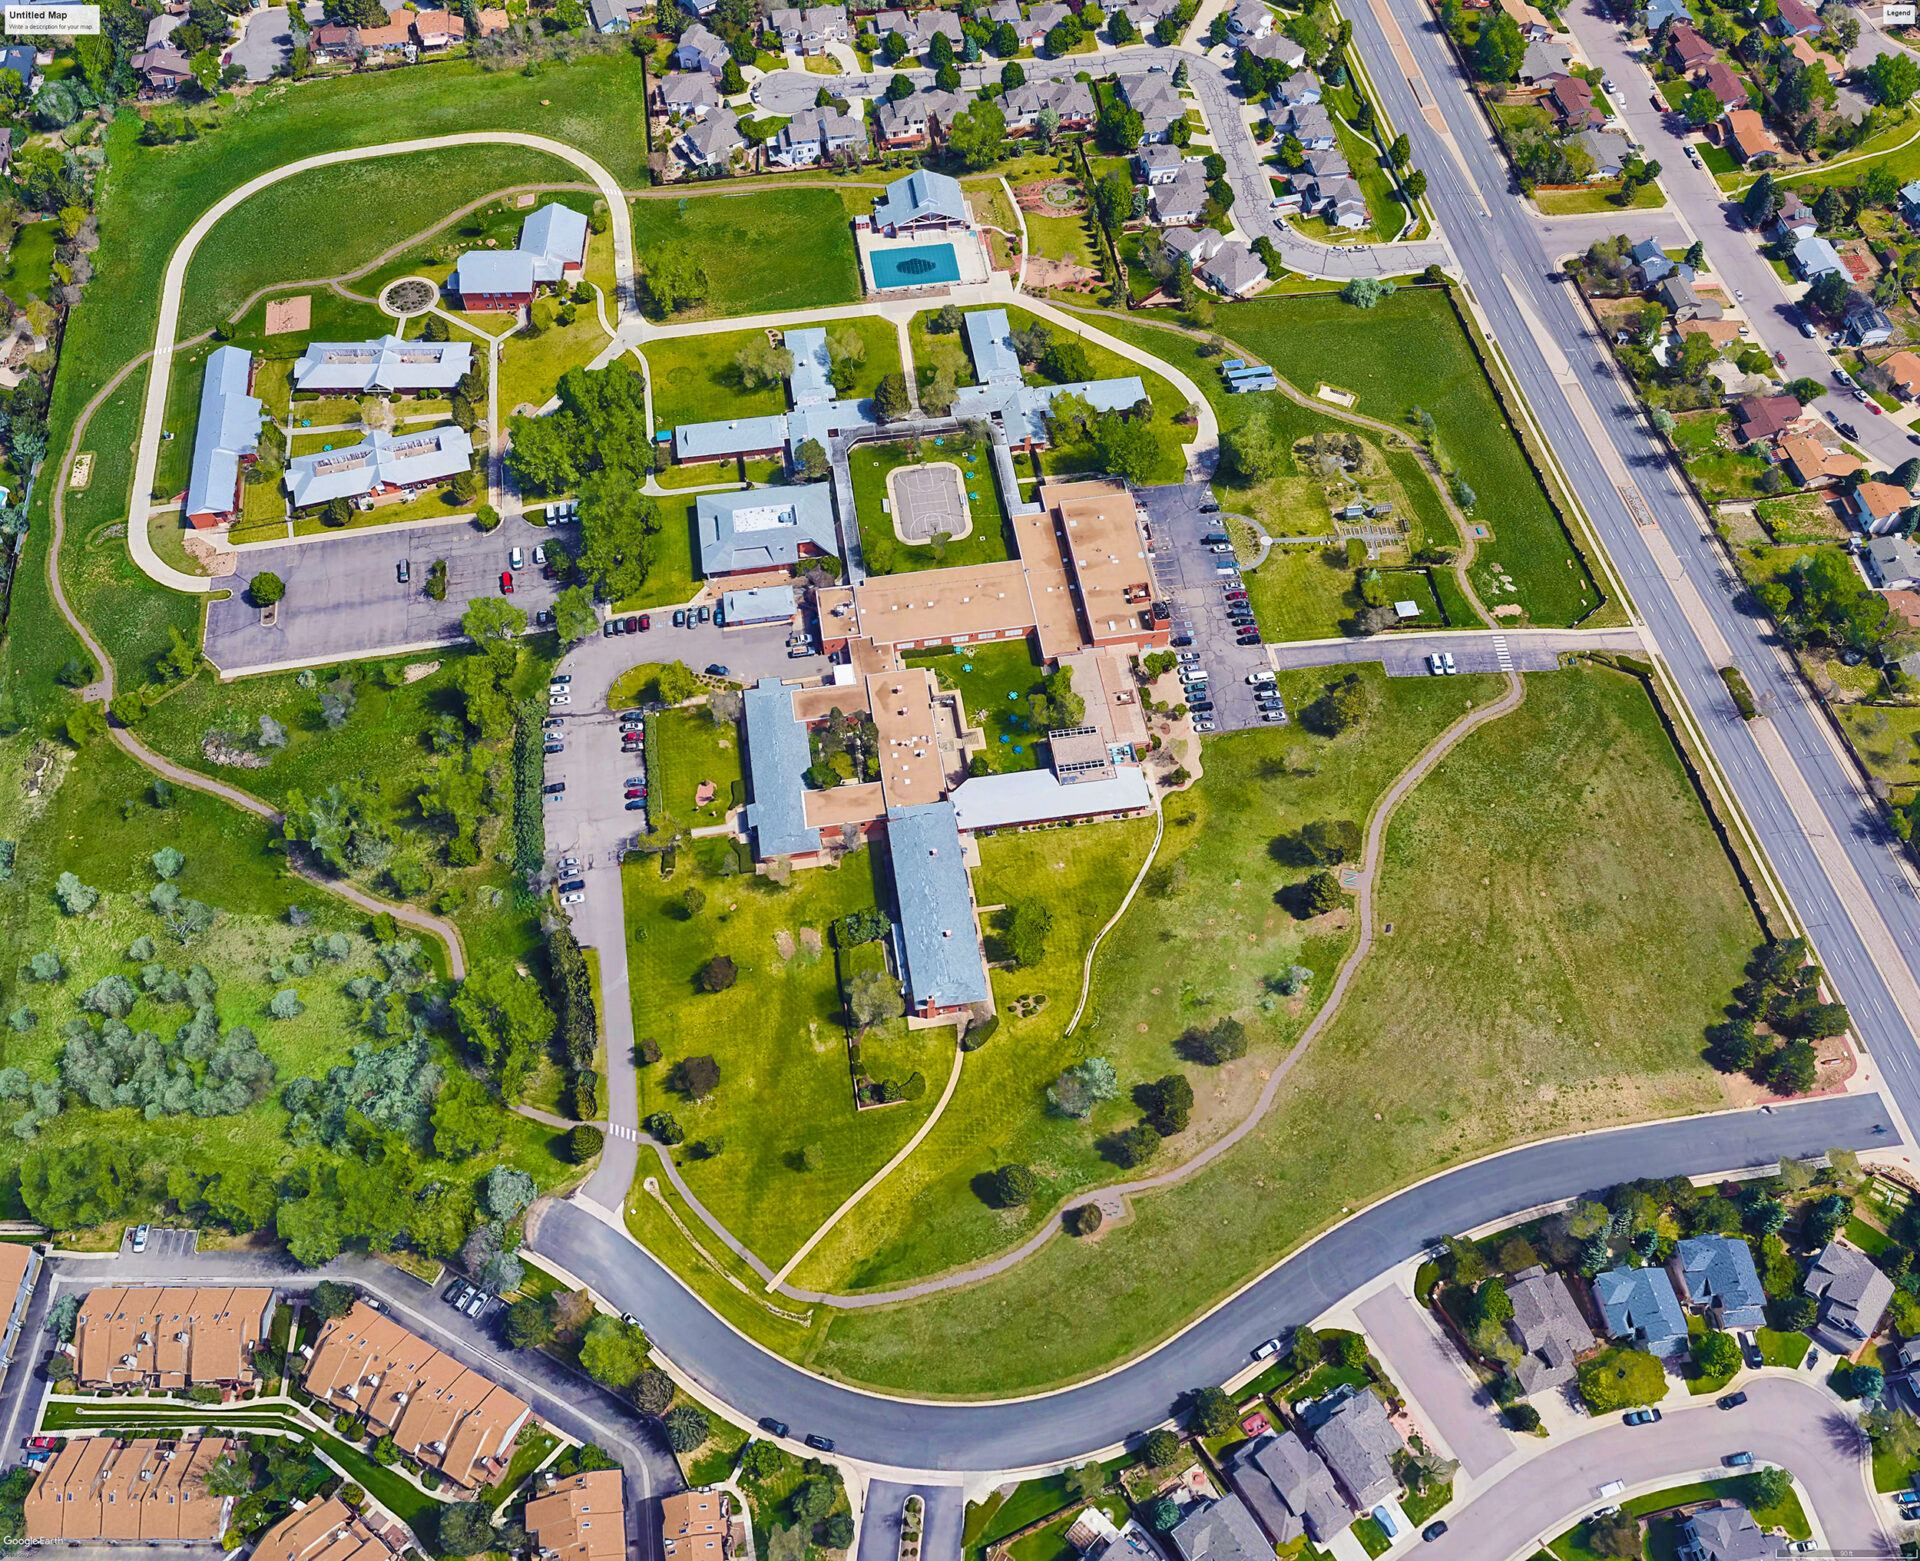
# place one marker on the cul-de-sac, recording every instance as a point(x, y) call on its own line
point(975, 782)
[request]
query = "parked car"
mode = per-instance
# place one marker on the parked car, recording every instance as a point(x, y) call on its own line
point(1435, 665)
point(633, 625)
point(403, 571)
point(610, 628)
point(571, 899)
point(1446, 658)
point(1269, 1348)
point(1611, 1488)
point(1204, 726)
point(140, 1234)
point(1812, 1359)
point(569, 885)
point(646, 622)
point(1209, 508)
point(1731, 1400)
point(1740, 1460)
point(514, 560)
point(478, 1304)
point(506, 583)
point(636, 807)
point(540, 554)
point(569, 864)
point(558, 699)
point(679, 617)
point(1640, 1416)
point(634, 791)
point(554, 747)
point(819, 1443)
point(716, 670)
point(554, 788)
point(773, 1427)
point(1433, 1531)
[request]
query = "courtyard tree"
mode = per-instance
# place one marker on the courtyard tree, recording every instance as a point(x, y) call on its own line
point(613, 1352)
point(890, 397)
point(619, 526)
point(266, 588)
point(1892, 79)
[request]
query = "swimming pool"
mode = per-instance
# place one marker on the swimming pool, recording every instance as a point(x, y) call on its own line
point(922, 266)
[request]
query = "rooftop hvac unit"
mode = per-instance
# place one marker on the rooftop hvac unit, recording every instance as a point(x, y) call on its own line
point(182, 1337)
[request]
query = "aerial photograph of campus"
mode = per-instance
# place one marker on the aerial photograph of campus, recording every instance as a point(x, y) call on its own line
point(1004, 780)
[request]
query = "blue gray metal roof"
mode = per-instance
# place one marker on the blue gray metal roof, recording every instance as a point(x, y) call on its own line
point(763, 528)
point(494, 271)
point(387, 363)
point(1721, 1268)
point(945, 965)
point(1035, 796)
point(229, 427)
point(739, 436)
point(379, 460)
point(778, 755)
point(762, 604)
point(556, 237)
point(922, 193)
point(812, 377)
point(1022, 409)
point(990, 340)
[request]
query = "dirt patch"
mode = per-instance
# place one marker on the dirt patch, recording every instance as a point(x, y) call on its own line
point(414, 671)
point(810, 940)
point(286, 315)
point(783, 941)
point(1043, 273)
point(213, 561)
point(220, 749)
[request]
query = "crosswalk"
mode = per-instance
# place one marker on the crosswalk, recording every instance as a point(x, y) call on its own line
point(621, 1130)
point(1500, 653)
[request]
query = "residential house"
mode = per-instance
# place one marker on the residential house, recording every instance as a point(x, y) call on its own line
point(173, 1337)
point(164, 69)
point(1879, 506)
point(1723, 81)
point(580, 1518)
point(1222, 1530)
point(1609, 149)
point(385, 45)
point(1289, 1490)
point(712, 141)
point(1797, 20)
point(1311, 124)
point(1762, 417)
point(1682, 302)
point(1792, 220)
point(439, 31)
point(923, 202)
point(1543, 61)
point(1747, 136)
point(1159, 106)
point(1158, 162)
point(1716, 1273)
point(19, 59)
point(327, 1530)
point(1570, 101)
point(1276, 47)
point(1330, 164)
point(1193, 245)
point(1235, 270)
point(1654, 263)
point(688, 92)
point(1549, 1326)
point(1301, 88)
point(1339, 199)
point(1182, 198)
point(942, 109)
point(99, 1489)
point(1249, 19)
point(1865, 322)
point(1041, 20)
point(1893, 563)
point(1910, 203)
point(225, 440)
point(905, 123)
point(1660, 12)
point(1804, 55)
point(1813, 257)
point(1639, 1305)
point(1354, 1436)
point(609, 16)
point(380, 465)
point(701, 49)
point(695, 1525)
point(331, 44)
point(1007, 11)
point(1903, 368)
point(810, 30)
point(1810, 463)
point(1688, 51)
point(1852, 1292)
point(494, 21)
point(1071, 101)
point(438, 1411)
point(815, 135)
point(1725, 1533)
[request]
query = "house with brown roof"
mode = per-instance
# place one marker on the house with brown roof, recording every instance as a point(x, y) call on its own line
point(435, 1409)
point(1571, 102)
point(394, 41)
point(694, 1526)
point(1724, 82)
point(1687, 49)
point(1903, 368)
point(438, 30)
point(1805, 55)
point(582, 1518)
point(169, 1338)
point(493, 22)
point(1878, 506)
point(1762, 417)
point(327, 1530)
point(1747, 137)
point(1810, 463)
point(331, 42)
point(99, 1489)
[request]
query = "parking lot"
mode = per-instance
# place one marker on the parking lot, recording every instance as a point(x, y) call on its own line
point(344, 596)
point(1186, 575)
point(161, 1242)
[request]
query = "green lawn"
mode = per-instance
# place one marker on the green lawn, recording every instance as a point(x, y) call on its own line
point(991, 539)
point(765, 251)
point(695, 381)
point(1782, 1349)
point(1887, 738)
point(174, 467)
point(1596, 198)
point(686, 748)
point(531, 366)
point(777, 1034)
point(1410, 351)
point(1562, 968)
point(935, 350)
point(27, 271)
point(1303, 593)
point(1661, 1536)
point(986, 676)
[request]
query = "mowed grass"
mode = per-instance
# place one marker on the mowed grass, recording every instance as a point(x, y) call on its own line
point(765, 251)
point(1565, 926)
point(695, 379)
point(1194, 948)
point(531, 366)
point(1410, 351)
point(777, 1035)
point(687, 748)
point(990, 541)
point(994, 681)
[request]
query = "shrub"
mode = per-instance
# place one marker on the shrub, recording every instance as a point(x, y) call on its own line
point(1082, 1221)
point(1012, 1186)
point(1523, 1417)
point(687, 1428)
point(653, 1391)
point(1223, 1041)
point(695, 1077)
point(717, 974)
point(1168, 1103)
point(1160, 1448)
point(1134, 1146)
point(1618, 1379)
point(666, 1128)
point(266, 589)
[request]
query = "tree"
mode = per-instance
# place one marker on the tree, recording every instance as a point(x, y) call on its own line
point(695, 1077)
point(1893, 78)
point(618, 525)
point(1320, 894)
point(675, 277)
point(838, 1532)
point(1133, 1146)
point(978, 134)
point(652, 1392)
point(1223, 1041)
point(330, 1299)
point(573, 616)
point(1160, 1448)
point(583, 1143)
point(493, 623)
point(613, 1352)
point(1716, 1354)
point(1364, 292)
point(1083, 1086)
point(1700, 107)
point(717, 974)
point(530, 1323)
point(1619, 1378)
point(75, 898)
point(1767, 1487)
point(466, 1528)
point(168, 861)
point(1013, 1185)
point(86, 722)
point(1161, 1514)
point(1211, 1413)
point(504, 1017)
point(687, 1428)
point(1027, 930)
point(1082, 1221)
point(1167, 1102)
point(874, 998)
point(1117, 126)
point(890, 397)
point(1499, 49)
point(266, 588)
point(1617, 1534)
point(732, 83)
point(1250, 450)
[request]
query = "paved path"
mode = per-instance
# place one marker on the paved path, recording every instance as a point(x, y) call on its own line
point(1420, 1360)
point(1074, 1422)
point(154, 415)
point(1406, 650)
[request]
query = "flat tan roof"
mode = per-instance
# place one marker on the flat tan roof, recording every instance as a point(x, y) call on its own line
point(816, 704)
point(1056, 617)
point(1098, 529)
point(942, 605)
point(909, 738)
point(844, 805)
point(693, 1525)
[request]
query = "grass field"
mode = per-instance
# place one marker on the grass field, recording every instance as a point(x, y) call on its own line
point(777, 1034)
point(765, 251)
point(991, 539)
point(936, 350)
point(1566, 988)
point(695, 381)
point(688, 747)
point(1408, 352)
point(172, 470)
point(531, 366)
point(986, 675)
point(1578, 203)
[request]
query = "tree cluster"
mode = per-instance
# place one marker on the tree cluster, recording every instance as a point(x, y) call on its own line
point(1781, 992)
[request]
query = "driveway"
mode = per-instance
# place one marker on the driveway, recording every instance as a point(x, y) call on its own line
point(1449, 1402)
point(940, 1533)
point(1186, 575)
point(1785, 1422)
point(1404, 655)
point(265, 44)
point(344, 597)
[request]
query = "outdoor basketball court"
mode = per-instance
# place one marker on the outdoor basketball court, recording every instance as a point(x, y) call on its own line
point(926, 500)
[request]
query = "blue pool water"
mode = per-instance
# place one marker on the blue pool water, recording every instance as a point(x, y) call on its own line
point(921, 266)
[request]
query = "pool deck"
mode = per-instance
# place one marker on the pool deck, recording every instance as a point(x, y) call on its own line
point(960, 259)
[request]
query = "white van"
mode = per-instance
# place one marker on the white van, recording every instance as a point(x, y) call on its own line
point(1194, 675)
point(1611, 1488)
point(1226, 569)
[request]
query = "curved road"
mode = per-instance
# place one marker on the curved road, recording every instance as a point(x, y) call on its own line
point(154, 415)
point(1019, 1433)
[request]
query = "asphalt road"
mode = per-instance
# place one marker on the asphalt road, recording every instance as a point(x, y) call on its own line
point(904, 1434)
point(1503, 262)
point(344, 596)
point(1405, 655)
point(1783, 1422)
point(941, 1530)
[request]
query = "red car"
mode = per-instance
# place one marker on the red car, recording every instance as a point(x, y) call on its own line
point(645, 623)
point(633, 626)
point(506, 582)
